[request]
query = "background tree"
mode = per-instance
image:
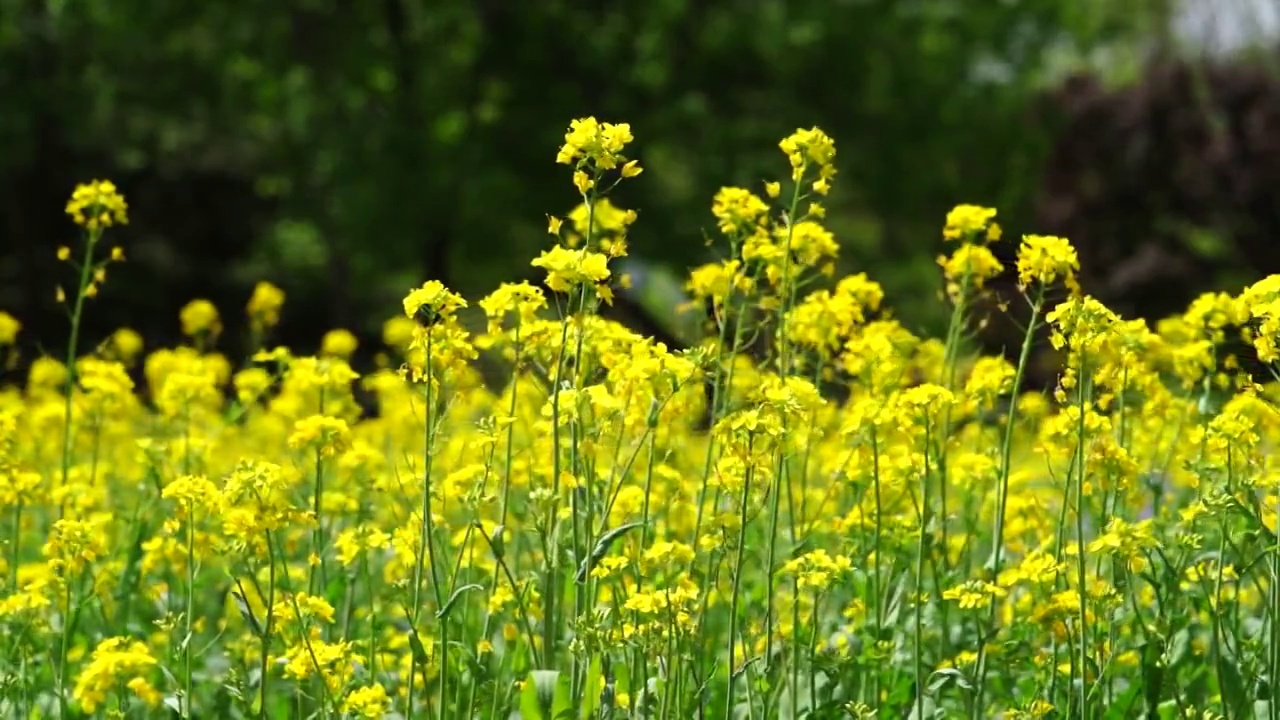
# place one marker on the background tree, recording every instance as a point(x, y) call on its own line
point(347, 150)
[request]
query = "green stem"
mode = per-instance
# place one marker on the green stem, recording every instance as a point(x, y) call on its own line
point(76, 314)
point(1002, 498)
point(1082, 587)
point(737, 585)
point(191, 594)
point(918, 605)
point(426, 554)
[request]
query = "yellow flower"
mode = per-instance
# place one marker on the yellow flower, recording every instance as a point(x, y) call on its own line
point(432, 302)
point(968, 222)
point(97, 205)
point(264, 305)
point(127, 344)
point(738, 210)
point(200, 317)
point(600, 144)
point(1046, 259)
point(112, 661)
point(398, 332)
point(339, 343)
point(812, 147)
point(974, 594)
point(975, 264)
point(9, 328)
point(369, 702)
point(566, 268)
point(816, 570)
point(327, 435)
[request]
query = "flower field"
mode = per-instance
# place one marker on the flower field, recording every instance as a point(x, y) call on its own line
point(813, 513)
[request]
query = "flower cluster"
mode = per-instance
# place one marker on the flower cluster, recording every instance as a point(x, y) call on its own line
point(97, 205)
point(533, 509)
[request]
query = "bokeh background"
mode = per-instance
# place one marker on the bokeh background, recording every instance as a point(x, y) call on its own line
point(347, 150)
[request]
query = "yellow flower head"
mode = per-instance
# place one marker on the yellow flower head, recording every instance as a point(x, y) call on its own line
point(339, 343)
point(432, 302)
point(126, 344)
point(9, 327)
point(811, 148)
point(96, 205)
point(970, 222)
point(200, 317)
point(599, 144)
point(1045, 259)
point(566, 268)
point(264, 305)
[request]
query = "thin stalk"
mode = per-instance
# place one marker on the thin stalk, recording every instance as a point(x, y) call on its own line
point(918, 605)
point(1082, 589)
point(1002, 497)
point(737, 585)
point(77, 312)
point(426, 541)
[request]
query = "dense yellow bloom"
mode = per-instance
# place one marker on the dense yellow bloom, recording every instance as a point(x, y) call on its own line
point(97, 205)
point(816, 570)
point(522, 299)
point(1260, 303)
point(738, 210)
point(114, 661)
point(599, 143)
point(192, 491)
point(75, 544)
point(328, 436)
point(586, 490)
point(971, 222)
point(1080, 324)
point(432, 302)
point(811, 148)
point(331, 661)
point(1046, 259)
point(717, 281)
point(370, 702)
point(567, 268)
point(972, 264)
point(600, 218)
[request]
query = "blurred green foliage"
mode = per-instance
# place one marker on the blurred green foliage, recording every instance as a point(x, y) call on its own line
point(398, 139)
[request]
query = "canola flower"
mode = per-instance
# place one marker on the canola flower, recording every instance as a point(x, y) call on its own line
point(852, 519)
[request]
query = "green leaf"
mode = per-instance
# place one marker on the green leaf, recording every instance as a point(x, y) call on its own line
point(1178, 647)
point(947, 676)
point(1152, 676)
point(1232, 686)
point(247, 612)
point(929, 707)
point(416, 647)
point(443, 612)
point(538, 699)
point(602, 548)
point(594, 686)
